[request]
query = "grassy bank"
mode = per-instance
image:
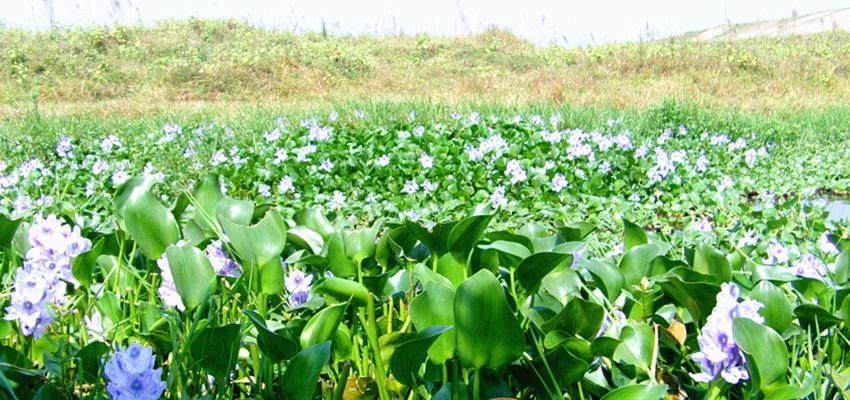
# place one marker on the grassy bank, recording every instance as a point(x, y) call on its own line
point(199, 65)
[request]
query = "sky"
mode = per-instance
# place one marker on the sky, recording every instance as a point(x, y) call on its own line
point(544, 22)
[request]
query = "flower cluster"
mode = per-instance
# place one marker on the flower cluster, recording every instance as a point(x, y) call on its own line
point(221, 262)
point(298, 284)
point(168, 289)
point(47, 268)
point(719, 354)
point(131, 374)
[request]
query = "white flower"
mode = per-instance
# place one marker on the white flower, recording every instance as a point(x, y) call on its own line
point(559, 182)
point(605, 167)
point(410, 187)
point(702, 163)
point(702, 225)
point(726, 183)
point(119, 177)
point(285, 185)
point(280, 155)
point(515, 171)
point(826, 246)
point(272, 136)
point(383, 161)
point(264, 190)
point(428, 186)
point(337, 200)
point(426, 161)
point(776, 253)
point(497, 198)
point(326, 165)
point(218, 158)
point(749, 239)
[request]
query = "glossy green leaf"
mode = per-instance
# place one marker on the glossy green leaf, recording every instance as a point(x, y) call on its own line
point(360, 243)
point(576, 231)
point(193, 275)
point(237, 211)
point(637, 263)
point(305, 238)
point(339, 264)
point(534, 268)
point(274, 346)
point(7, 230)
point(216, 350)
point(300, 380)
point(258, 244)
point(150, 224)
point(322, 326)
point(465, 235)
point(314, 219)
point(767, 355)
point(128, 190)
point(510, 248)
point(633, 235)
point(429, 309)
point(90, 358)
point(579, 317)
point(815, 318)
point(710, 261)
point(699, 297)
point(343, 290)
point(488, 334)
point(788, 392)
point(408, 358)
point(608, 278)
point(777, 309)
point(82, 266)
point(635, 392)
point(637, 342)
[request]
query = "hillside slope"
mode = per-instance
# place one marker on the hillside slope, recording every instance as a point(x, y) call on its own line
point(819, 22)
point(134, 70)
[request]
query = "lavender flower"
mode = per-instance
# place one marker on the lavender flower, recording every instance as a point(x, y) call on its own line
point(559, 182)
point(42, 279)
point(168, 289)
point(131, 374)
point(776, 253)
point(810, 266)
point(221, 262)
point(719, 354)
point(298, 285)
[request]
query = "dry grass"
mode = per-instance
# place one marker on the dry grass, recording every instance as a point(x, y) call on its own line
point(139, 71)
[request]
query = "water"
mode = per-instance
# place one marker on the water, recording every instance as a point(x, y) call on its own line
point(839, 209)
point(543, 22)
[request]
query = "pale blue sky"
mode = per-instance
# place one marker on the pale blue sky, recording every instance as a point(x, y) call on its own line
point(542, 21)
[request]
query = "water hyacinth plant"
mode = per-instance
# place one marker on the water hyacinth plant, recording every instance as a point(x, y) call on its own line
point(465, 256)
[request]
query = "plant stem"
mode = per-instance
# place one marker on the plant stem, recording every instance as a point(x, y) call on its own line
point(476, 385)
point(372, 335)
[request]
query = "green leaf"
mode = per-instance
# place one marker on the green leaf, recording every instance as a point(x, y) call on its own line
point(339, 264)
point(150, 224)
point(193, 275)
point(305, 238)
point(637, 263)
point(322, 326)
point(576, 231)
point(767, 355)
point(343, 290)
point(637, 342)
point(465, 235)
point(427, 310)
point(788, 392)
point(315, 220)
point(710, 261)
point(271, 277)
point(635, 392)
point(360, 243)
point(699, 297)
point(815, 317)
point(82, 266)
point(608, 278)
point(777, 309)
point(301, 376)
point(7, 230)
point(258, 244)
point(128, 190)
point(633, 235)
point(205, 200)
point(276, 347)
point(510, 248)
point(237, 211)
point(534, 268)
point(408, 358)
point(451, 268)
point(48, 392)
point(579, 317)
point(90, 360)
point(488, 334)
point(216, 350)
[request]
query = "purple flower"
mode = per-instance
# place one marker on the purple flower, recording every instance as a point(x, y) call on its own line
point(221, 262)
point(131, 374)
point(41, 281)
point(298, 285)
point(810, 266)
point(719, 354)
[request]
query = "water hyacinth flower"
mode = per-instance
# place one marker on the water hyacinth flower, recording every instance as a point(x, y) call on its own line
point(131, 374)
point(719, 355)
point(410, 187)
point(285, 185)
point(810, 266)
point(298, 285)
point(383, 161)
point(559, 182)
point(168, 289)
point(776, 253)
point(497, 198)
point(825, 245)
point(41, 281)
point(426, 161)
point(515, 171)
point(221, 262)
